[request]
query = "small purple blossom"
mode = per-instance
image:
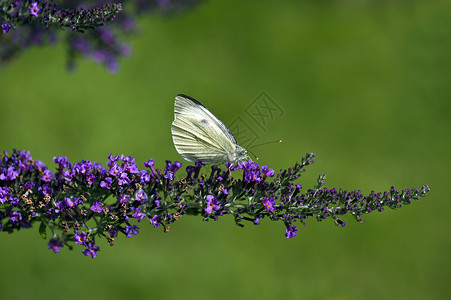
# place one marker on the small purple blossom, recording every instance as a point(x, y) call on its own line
point(150, 163)
point(140, 195)
point(106, 184)
point(68, 202)
point(91, 249)
point(212, 204)
point(5, 195)
point(123, 179)
point(90, 179)
point(62, 161)
point(47, 176)
point(80, 238)
point(97, 207)
point(267, 171)
point(155, 221)
point(137, 214)
point(131, 230)
point(55, 245)
point(6, 27)
point(15, 217)
point(291, 231)
point(124, 198)
point(269, 204)
point(45, 190)
point(67, 175)
point(115, 170)
point(144, 176)
point(35, 9)
point(9, 174)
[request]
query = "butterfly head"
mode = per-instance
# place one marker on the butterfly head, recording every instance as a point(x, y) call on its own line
point(239, 154)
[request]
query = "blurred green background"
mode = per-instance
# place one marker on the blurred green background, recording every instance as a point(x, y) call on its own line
point(364, 84)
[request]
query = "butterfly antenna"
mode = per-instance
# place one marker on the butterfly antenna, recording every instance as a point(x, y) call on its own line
point(256, 157)
point(278, 141)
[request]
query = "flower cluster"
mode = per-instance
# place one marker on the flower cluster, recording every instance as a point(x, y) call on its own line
point(26, 23)
point(83, 201)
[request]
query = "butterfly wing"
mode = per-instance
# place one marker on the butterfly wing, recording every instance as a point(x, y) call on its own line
point(198, 134)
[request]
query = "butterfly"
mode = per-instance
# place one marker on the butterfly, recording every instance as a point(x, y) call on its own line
point(199, 136)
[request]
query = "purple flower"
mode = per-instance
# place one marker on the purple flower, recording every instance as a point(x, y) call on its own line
point(47, 176)
point(267, 171)
point(97, 207)
point(291, 231)
point(67, 175)
point(150, 163)
point(45, 190)
point(62, 161)
point(106, 184)
point(91, 249)
point(251, 171)
point(29, 185)
point(90, 179)
point(80, 238)
point(115, 170)
point(15, 217)
point(124, 180)
point(9, 174)
point(131, 167)
point(269, 204)
point(144, 177)
point(137, 214)
point(5, 195)
point(55, 245)
point(131, 230)
point(6, 27)
point(34, 9)
point(169, 175)
point(124, 198)
point(83, 167)
point(155, 221)
point(40, 165)
point(68, 202)
point(140, 195)
point(212, 204)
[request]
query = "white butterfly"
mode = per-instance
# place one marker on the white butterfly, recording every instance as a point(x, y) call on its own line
point(199, 136)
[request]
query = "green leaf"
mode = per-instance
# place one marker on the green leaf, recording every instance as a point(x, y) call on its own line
point(42, 232)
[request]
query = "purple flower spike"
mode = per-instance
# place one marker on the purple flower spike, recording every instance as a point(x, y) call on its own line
point(84, 200)
point(212, 204)
point(55, 245)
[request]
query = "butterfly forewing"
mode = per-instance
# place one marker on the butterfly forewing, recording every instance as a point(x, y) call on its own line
point(198, 134)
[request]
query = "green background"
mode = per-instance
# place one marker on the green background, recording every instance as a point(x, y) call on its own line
point(364, 84)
